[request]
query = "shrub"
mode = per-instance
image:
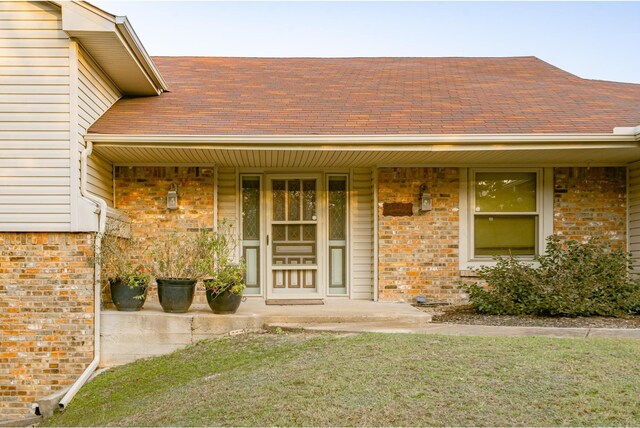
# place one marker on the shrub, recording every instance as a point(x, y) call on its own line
point(571, 279)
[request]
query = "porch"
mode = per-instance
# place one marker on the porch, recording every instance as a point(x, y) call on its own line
point(128, 336)
point(311, 214)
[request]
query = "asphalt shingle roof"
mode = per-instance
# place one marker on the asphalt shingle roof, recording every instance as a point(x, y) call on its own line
point(350, 96)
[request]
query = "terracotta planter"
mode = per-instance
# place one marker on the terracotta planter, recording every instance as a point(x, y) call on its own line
point(176, 294)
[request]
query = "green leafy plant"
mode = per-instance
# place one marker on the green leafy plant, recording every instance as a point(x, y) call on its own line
point(229, 277)
point(571, 279)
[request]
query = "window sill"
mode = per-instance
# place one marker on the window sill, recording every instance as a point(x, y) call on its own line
point(470, 265)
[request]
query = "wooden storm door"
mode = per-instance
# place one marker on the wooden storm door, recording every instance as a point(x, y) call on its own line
point(294, 253)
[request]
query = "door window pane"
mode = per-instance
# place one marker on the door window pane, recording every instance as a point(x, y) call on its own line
point(505, 235)
point(278, 200)
point(309, 199)
point(505, 192)
point(294, 200)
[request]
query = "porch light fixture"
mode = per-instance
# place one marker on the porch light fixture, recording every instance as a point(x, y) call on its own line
point(425, 198)
point(172, 197)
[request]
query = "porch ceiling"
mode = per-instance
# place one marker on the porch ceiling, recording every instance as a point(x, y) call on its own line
point(340, 157)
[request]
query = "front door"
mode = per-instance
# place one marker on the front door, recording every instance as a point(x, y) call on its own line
point(294, 223)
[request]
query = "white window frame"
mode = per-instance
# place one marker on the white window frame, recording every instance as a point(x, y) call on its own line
point(544, 210)
point(260, 240)
point(347, 246)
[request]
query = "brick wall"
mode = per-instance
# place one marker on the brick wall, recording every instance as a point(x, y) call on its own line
point(46, 315)
point(418, 254)
point(141, 192)
point(590, 202)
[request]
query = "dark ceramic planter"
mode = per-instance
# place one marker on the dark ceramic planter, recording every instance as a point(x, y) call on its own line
point(124, 297)
point(223, 303)
point(176, 294)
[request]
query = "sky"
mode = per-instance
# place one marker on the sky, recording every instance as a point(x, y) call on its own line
point(594, 40)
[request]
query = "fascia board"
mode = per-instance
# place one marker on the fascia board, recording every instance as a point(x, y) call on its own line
point(129, 34)
point(440, 139)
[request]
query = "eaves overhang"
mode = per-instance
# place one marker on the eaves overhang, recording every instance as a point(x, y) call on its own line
point(367, 150)
point(114, 45)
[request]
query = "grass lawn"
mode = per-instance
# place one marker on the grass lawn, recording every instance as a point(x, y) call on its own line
point(371, 379)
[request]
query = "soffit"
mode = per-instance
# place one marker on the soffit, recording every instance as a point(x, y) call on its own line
point(104, 40)
point(344, 158)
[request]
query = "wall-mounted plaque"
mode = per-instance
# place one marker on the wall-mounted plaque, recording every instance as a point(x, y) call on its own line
point(397, 209)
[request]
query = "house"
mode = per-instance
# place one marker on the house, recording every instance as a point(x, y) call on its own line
point(353, 178)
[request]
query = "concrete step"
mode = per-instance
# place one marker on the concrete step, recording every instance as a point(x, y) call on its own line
point(128, 336)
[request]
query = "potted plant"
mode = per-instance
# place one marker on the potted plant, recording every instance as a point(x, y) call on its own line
point(224, 290)
point(174, 262)
point(223, 275)
point(128, 284)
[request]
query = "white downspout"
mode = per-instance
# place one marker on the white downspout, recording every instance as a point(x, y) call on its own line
point(102, 224)
point(376, 251)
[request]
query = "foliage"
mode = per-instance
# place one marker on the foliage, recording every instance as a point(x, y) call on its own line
point(177, 256)
point(216, 261)
point(216, 249)
point(117, 254)
point(229, 277)
point(571, 279)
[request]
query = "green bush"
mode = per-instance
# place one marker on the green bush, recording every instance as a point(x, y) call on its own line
point(571, 279)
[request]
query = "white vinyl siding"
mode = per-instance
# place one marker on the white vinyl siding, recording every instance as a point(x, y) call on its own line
point(227, 196)
point(95, 95)
point(633, 190)
point(361, 237)
point(34, 118)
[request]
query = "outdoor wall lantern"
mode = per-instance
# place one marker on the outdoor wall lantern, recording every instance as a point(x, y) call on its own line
point(172, 197)
point(425, 198)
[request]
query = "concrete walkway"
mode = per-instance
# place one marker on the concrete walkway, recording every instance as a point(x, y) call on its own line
point(461, 329)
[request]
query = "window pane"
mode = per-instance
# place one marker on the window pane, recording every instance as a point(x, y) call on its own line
point(504, 235)
point(278, 199)
point(251, 208)
point(309, 199)
point(505, 191)
point(251, 256)
point(337, 208)
point(294, 200)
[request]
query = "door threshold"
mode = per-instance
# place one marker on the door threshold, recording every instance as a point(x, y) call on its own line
point(288, 302)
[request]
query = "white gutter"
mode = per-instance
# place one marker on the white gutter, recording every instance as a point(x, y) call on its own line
point(102, 224)
point(376, 239)
point(434, 142)
point(635, 130)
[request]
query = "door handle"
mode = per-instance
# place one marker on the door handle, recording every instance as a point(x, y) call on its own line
point(267, 239)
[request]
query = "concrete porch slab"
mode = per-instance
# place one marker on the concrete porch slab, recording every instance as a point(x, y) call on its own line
point(128, 336)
